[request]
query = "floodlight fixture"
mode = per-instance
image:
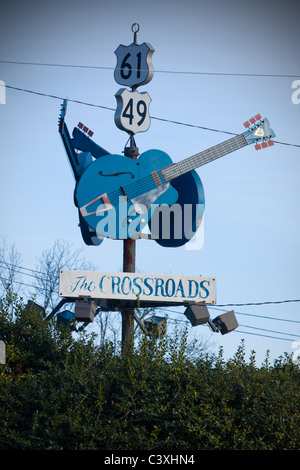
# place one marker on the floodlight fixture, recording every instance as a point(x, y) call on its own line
point(35, 307)
point(85, 310)
point(66, 318)
point(198, 314)
point(155, 326)
point(226, 322)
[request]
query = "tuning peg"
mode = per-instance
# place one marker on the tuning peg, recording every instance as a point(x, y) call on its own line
point(252, 120)
point(264, 145)
point(85, 129)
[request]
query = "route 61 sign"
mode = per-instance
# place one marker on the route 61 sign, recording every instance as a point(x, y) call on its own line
point(132, 113)
point(134, 64)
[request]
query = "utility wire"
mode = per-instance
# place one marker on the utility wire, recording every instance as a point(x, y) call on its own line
point(258, 303)
point(258, 334)
point(152, 117)
point(241, 313)
point(23, 284)
point(261, 316)
point(182, 72)
point(270, 331)
point(19, 267)
point(248, 326)
point(57, 97)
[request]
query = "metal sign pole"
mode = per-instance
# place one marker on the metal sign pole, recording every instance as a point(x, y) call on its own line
point(134, 68)
point(128, 267)
point(128, 313)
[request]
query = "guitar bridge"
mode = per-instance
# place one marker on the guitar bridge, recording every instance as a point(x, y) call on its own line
point(156, 178)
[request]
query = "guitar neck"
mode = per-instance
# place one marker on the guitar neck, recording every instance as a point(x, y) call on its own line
point(206, 156)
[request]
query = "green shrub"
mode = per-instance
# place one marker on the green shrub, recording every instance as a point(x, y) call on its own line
point(57, 392)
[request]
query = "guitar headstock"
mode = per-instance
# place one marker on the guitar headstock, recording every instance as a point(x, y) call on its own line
point(61, 120)
point(259, 132)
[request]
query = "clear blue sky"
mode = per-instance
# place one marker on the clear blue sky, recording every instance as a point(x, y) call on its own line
point(252, 224)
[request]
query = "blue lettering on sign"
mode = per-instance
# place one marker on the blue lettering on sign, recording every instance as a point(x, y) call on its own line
point(170, 287)
point(135, 280)
point(193, 288)
point(82, 284)
point(180, 288)
point(101, 284)
point(146, 283)
point(125, 290)
point(159, 285)
point(205, 289)
point(115, 282)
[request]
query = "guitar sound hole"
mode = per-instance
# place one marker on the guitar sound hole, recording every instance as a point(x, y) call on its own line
point(117, 174)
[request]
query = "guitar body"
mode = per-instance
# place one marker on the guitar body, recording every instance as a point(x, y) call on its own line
point(108, 192)
point(117, 197)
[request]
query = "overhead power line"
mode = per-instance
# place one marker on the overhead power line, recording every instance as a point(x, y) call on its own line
point(264, 336)
point(22, 283)
point(238, 313)
point(178, 72)
point(247, 332)
point(260, 316)
point(5, 264)
point(270, 331)
point(152, 117)
point(259, 303)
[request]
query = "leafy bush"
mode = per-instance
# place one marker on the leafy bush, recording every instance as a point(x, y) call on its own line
point(57, 392)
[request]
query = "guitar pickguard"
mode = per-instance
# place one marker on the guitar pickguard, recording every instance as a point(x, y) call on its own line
point(143, 203)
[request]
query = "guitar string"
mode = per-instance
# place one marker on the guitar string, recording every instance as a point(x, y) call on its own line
point(205, 156)
point(114, 195)
point(210, 155)
point(218, 150)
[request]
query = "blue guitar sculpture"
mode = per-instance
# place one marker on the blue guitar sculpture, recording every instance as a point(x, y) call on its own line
point(188, 186)
point(118, 196)
point(79, 162)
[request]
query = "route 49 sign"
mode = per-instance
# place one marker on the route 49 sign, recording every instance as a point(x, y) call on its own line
point(132, 113)
point(134, 64)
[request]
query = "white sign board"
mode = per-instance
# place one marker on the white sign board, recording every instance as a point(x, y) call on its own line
point(130, 286)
